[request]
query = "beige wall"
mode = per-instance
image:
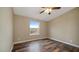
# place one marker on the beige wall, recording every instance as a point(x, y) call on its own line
point(21, 29)
point(6, 31)
point(65, 27)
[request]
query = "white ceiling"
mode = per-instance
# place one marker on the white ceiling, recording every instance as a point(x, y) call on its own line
point(34, 12)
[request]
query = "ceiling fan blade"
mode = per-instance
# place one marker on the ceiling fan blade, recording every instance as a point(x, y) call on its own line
point(42, 11)
point(43, 7)
point(56, 8)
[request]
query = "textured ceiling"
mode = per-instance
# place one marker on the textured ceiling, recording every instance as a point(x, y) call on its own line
point(34, 12)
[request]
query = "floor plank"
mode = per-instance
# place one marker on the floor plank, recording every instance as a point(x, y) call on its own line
point(45, 45)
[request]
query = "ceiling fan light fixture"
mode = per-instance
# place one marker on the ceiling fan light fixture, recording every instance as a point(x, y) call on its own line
point(48, 10)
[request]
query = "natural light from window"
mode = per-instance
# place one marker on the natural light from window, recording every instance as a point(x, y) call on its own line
point(34, 27)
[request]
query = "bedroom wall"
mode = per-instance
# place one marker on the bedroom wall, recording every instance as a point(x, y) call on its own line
point(65, 27)
point(21, 29)
point(6, 29)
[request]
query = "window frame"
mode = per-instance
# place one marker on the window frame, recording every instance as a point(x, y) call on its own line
point(30, 28)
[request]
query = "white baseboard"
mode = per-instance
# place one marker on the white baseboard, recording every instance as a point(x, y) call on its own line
point(27, 40)
point(11, 48)
point(65, 42)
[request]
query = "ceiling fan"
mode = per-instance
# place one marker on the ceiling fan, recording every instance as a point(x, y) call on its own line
point(49, 9)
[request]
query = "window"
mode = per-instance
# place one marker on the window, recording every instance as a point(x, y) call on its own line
point(34, 27)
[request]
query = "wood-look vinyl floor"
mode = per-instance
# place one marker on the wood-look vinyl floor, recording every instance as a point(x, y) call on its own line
point(45, 45)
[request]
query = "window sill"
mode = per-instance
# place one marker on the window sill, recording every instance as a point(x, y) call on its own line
point(34, 34)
